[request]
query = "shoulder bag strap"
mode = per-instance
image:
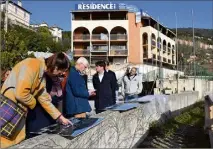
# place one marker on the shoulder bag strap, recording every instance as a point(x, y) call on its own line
point(7, 90)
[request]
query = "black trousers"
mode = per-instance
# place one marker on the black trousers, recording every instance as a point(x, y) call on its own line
point(99, 111)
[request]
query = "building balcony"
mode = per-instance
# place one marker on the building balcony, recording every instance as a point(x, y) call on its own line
point(159, 58)
point(81, 37)
point(156, 39)
point(145, 42)
point(173, 62)
point(99, 48)
point(153, 43)
point(100, 37)
point(81, 52)
point(159, 46)
point(173, 52)
point(118, 37)
point(117, 52)
point(145, 55)
point(158, 50)
point(169, 51)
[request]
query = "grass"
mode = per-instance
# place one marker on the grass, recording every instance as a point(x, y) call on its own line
point(193, 116)
point(183, 131)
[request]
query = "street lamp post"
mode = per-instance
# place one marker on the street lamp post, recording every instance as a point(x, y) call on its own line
point(194, 49)
point(177, 52)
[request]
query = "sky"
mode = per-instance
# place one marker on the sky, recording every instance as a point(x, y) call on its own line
point(58, 12)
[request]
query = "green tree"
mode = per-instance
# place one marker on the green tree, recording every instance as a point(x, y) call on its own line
point(66, 40)
point(14, 49)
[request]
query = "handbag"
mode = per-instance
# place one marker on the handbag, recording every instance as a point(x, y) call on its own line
point(12, 117)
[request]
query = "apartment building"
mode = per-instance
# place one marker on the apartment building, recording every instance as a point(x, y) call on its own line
point(120, 34)
point(17, 14)
point(54, 30)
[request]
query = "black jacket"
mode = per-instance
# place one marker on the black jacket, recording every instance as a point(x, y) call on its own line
point(113, 76)
point(105, 91)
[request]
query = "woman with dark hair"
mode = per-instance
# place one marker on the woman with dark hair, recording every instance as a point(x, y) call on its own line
point(38, 114)
point(27, 78)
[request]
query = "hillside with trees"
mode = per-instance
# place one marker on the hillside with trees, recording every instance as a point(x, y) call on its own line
point(204, 57)
point(205, 35)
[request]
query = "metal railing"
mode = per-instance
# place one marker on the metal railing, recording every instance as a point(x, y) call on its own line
point(145, 42)
point(118, 52)
point(173, 56)
point(153, 43)
point(173, 52)
point(83, 52)
point(159, 57)
point(118, 47)
point(103, 37)
point(159, 45)
point(100, 37)
point(118, 37)
point(81, 37)
point(100, 48)
point(145, 55)
point(169, 51)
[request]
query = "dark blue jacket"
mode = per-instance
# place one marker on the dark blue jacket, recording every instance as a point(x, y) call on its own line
point(105, 91)
point(76, 94)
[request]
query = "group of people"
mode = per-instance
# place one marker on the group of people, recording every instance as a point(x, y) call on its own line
point(77, 94)
point(51, 91)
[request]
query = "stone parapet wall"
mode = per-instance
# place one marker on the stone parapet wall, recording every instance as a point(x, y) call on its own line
point(119, 130)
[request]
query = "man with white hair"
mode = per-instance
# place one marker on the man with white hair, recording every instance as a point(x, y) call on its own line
point(77, 95)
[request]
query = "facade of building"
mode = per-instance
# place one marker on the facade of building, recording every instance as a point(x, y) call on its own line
point(54, 30)
point(117, 33)
point(16, 13)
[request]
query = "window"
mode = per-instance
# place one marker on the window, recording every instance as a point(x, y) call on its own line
point(16, 10)
point(24, 14)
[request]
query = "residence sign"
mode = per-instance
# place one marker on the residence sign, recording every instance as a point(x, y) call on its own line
point(99, 6)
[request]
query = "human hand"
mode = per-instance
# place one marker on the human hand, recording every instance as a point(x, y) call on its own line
point(92, 93)
point(64, 121)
